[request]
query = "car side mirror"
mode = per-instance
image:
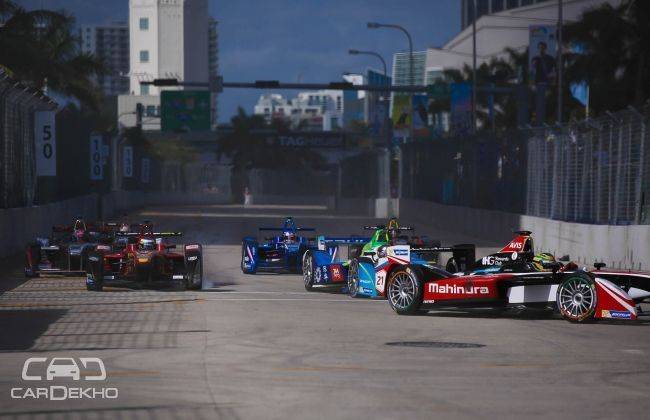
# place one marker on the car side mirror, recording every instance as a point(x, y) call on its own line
point(565, 258)
point(599, 265)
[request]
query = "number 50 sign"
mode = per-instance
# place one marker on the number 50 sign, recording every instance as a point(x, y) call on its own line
point(45, 142)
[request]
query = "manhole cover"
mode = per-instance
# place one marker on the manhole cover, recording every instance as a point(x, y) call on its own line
point(435, 344)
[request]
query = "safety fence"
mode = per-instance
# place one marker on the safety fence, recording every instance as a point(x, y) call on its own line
point(18, 104)
point(485, 171)
point(594, 171)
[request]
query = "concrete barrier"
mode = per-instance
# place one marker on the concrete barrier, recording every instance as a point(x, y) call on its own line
point(626, 247)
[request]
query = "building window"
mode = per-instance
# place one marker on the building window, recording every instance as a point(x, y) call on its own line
point(150, 110)
point(144, 89)
point(144, 24)
point(144, 56)
point(497, 6)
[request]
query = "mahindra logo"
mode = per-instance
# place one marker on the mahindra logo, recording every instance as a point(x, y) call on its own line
point(453, 289)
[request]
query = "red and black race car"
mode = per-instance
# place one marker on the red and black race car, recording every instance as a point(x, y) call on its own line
point(65, 251)
point(147, 258)
point(521, 281)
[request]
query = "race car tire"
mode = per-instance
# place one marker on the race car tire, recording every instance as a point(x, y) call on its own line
point(194, 276)
point(452, 266)
point(308, 270)
point(577, 298)
point(353, 278)
point(243, 268)
point(404, 291)
point(32, 250)
point(96, 270)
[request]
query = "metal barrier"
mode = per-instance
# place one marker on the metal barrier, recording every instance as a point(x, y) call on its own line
point(17, 161)
point(595, 171)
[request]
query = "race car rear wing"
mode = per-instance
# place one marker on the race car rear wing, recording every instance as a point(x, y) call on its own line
point(463, 254)
point(158, 234)
point(274, 229)
point(404, 228)
point(332, 240)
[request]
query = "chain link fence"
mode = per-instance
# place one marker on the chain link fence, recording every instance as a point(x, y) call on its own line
point(18, 103)
point(485, 171)
point(592, 171)
point(595, 171)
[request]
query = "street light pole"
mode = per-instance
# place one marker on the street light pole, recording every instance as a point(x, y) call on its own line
point(559, 61)
point(474, 65)
point(383, 62)
point(375, 25)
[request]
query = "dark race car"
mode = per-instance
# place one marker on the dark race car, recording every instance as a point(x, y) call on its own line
point(521, 279)
point(66, 250)
point(145, 258)
point(282, 252)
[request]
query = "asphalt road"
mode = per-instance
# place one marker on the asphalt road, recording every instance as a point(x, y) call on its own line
point(262, 347)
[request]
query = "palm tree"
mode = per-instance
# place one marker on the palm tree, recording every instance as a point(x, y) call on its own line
point(613, 56)
point(39, 47)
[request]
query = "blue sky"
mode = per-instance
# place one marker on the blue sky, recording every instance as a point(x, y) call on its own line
point(291, 40)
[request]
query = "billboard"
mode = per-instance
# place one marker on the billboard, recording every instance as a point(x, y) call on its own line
point(461, 107)
point(185, 110)
point(420, 115)
point(401, 118)
point(45, 143)
point(127, 162)
point(378, 104)
point(542, 52)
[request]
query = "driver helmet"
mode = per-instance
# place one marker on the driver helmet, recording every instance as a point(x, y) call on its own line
point(540, 259)
point(289, 237)
point(146, 244)
point(78, 234)
point(124, 228)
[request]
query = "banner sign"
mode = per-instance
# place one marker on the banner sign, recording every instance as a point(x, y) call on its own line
point(461, 107)
point(306, 140)
point(420, 116)
point(45, 142)
point(127, 162)
point(145, 175)
point(96, 161)
point(542, 51)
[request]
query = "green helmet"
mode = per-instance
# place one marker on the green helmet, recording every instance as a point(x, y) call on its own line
point(540, 259)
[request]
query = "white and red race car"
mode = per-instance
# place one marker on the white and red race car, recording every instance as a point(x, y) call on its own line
point(579, 295)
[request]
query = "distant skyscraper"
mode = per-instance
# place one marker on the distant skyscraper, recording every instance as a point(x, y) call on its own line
point(110, 43)
point(401, 71)
point(168, 39)
point(401, 68)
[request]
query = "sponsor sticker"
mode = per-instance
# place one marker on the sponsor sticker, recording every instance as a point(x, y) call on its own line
point(616, 314)
point(336, 273)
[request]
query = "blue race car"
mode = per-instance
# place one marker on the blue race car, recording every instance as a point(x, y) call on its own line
point(327, 266)
point(282, 252)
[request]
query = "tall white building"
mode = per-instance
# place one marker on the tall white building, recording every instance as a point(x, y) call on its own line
point(110, 43)
point(168, 39)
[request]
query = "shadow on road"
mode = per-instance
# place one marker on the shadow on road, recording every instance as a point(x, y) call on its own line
point(21, 328)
